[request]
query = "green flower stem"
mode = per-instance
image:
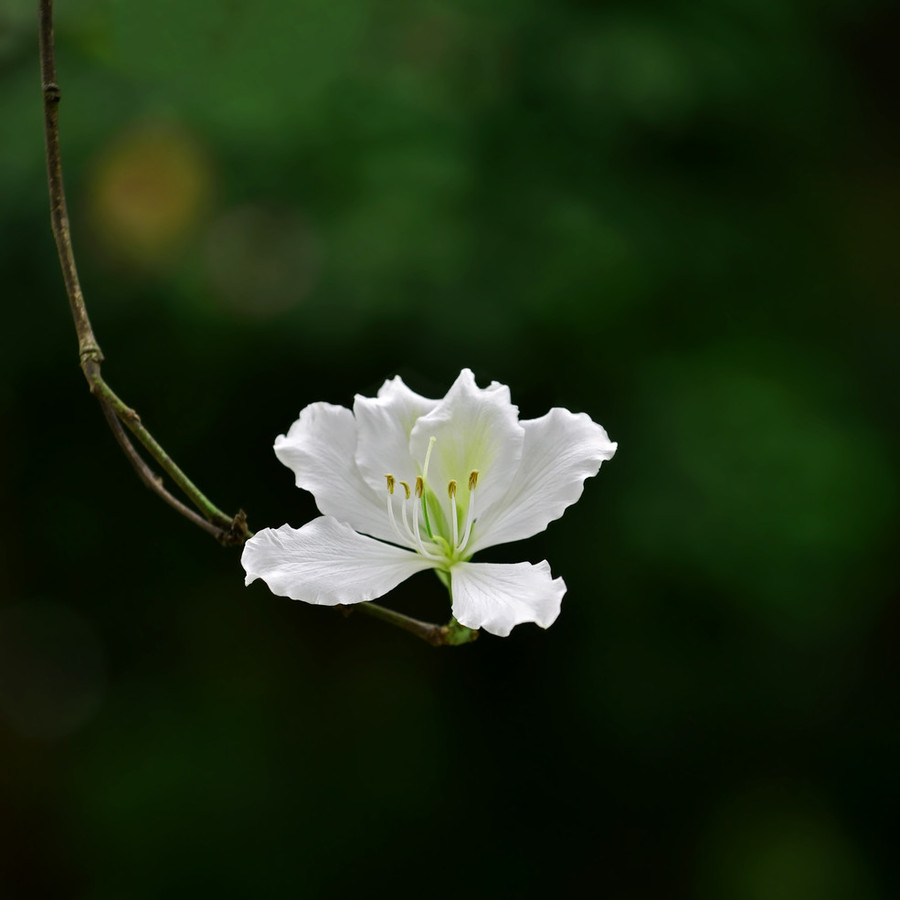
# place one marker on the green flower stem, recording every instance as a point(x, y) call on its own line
point(148, 477)
point(132, 421)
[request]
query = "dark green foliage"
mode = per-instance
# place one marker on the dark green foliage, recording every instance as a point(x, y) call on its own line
point(678, 217)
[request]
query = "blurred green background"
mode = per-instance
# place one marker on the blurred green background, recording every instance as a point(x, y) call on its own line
point(680, 218)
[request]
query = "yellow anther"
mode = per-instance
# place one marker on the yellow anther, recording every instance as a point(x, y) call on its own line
point(420, 486)
point(473, 479)
point(405, 488)
point(451, 489)
point(390, 483)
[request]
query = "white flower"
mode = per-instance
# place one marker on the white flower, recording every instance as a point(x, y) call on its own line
point(432, 482)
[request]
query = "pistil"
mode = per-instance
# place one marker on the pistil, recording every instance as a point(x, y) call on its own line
point(420, 486)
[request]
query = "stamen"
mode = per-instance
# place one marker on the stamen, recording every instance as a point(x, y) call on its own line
point(406, 517)
point(416, 536)
point(420, 492)
point(470, 513)
point(451, 490)
point(413, 532)
point(390, 507)
point(415, 527)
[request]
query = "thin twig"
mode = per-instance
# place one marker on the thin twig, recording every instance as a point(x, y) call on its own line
point(451, 634)
point(150, 478)
point(132, 421)
point(227, 529)
point(59, 216)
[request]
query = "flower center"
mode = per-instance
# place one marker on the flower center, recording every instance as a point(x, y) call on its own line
point(432, 525)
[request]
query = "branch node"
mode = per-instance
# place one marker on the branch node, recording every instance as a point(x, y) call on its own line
point(236, 533)
point(90, 353)
point(52, 93)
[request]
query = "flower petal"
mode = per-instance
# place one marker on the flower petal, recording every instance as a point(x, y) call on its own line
point(319, 448)
point(326, 562)
point(474, 429)
point(561, 450)
point(384, 424)
point(499, 597)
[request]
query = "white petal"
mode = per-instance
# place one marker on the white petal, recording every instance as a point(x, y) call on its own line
point(319, 448)
point(499, 597)
point(474, 429)
point(384, 424)
point(326, 562)
point(561, 450)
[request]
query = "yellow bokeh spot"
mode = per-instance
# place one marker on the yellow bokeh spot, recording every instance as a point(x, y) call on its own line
point(151, 188)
